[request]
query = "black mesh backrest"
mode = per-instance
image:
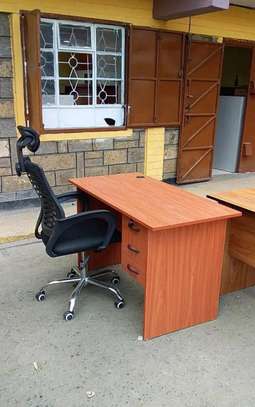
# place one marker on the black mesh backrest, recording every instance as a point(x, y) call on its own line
point(51, 210)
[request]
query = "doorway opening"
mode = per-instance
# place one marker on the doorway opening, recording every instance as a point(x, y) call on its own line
point(231, 108)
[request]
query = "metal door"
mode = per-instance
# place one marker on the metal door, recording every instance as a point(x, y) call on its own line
point(201, 91)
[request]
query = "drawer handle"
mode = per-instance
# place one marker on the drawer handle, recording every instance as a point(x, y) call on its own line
point(132, 269)
point(133, 249)
point(133, 226)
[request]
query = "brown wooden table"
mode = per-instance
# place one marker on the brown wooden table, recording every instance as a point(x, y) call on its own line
point(239, 261)
point(172, 244)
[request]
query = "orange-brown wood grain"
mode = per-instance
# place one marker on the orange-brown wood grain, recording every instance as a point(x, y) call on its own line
point(183, 277)
point(172, 244)
point(154, 204)
point(239, 259)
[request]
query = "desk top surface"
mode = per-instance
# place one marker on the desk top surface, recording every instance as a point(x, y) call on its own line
point(152, 203)
point(241, 198)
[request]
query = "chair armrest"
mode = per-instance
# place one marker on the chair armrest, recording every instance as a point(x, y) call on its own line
point(73, 222)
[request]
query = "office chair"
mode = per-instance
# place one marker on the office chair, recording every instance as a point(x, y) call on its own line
point(91, 230)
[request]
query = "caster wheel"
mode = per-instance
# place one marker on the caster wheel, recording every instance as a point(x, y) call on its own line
point(68, 315)
point(40, 296)
point(119, 304)
point(71, 274)
point(115, 280)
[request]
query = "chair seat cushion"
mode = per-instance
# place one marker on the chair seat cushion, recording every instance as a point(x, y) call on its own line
point(82, 243)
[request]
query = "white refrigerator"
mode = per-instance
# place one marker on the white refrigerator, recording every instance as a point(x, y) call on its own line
point(229, 126)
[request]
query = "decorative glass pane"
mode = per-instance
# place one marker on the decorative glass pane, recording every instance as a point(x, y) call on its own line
point(74, 36)
point(108, 66)
point(48, 92)
point(74, 65)
point(75, 92)
point(46, 35)
point(108, 92)
point(108, 39)
point(47, 63)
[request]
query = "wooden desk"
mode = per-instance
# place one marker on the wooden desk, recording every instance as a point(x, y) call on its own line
point(239, 261)
point(172, 244)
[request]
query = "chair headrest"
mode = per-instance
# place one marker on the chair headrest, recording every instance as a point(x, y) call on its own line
point(30, 139)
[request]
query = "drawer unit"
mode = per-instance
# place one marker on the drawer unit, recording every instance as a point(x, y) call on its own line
point(134, 249)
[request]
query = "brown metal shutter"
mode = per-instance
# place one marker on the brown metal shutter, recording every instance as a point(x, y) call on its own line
point(31, 45)
point(155, 78)
point(169, 78)
point(202, 83)
point(247, 155)
point(142, 77)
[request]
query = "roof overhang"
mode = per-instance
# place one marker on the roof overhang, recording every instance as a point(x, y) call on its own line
point(172, 9)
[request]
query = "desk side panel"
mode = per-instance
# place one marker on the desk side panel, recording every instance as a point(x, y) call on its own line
point(242, 239)
point(183, 277)
point(236, 274)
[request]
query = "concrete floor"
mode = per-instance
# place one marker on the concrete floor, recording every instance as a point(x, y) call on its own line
point(210, 365)
point(47, 362)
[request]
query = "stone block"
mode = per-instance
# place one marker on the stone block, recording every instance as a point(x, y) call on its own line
point(5, 68)
point(115, 157)
point(171, 136)
point(4, 25)
point(135, 155)
point(93, 162)
point(122, 168)
point(5, 162)
point(6, 88)
point(5, 166)
point(4, 148)
point(7, 128)
point(169, 166)
point(140, 167)
point(79, 145)
point(125, 142)
point(142, 139)
point(6, 109)
point(170, 152)
point(5, 47)
point(49, 147)
point(63, 176)
point(80, 164)
point(14, 183)
point(62, 146)
point(53, 162)
point(103, 144)
point(14, 157)
point(5, 171)
point(136, 134)
point(93, 154)
point(94, 171)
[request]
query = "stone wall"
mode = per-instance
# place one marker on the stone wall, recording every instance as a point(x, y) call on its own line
point(76, 158)
point(170, 153)
point(7, 122)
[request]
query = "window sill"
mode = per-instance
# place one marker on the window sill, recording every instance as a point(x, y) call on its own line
point(87, 133)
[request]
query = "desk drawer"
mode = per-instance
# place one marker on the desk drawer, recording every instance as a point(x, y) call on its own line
point(135, 272)
point(134, 249)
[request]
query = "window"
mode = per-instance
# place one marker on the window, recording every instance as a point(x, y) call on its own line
point(82, 74)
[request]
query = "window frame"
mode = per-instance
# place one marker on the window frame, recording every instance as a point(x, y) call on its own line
point(57, 47)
